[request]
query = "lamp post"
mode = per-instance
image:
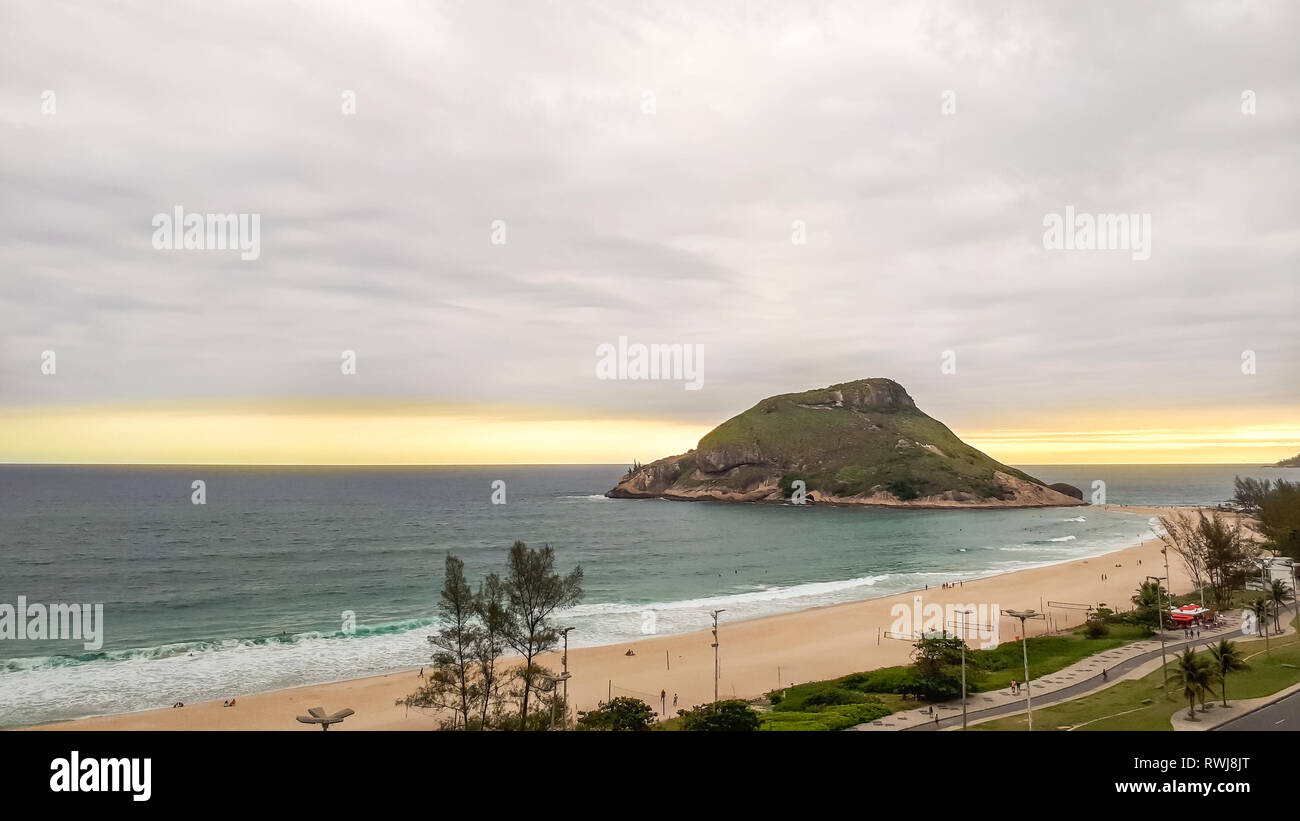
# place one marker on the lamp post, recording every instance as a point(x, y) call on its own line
point(1295, 591)
point(962, 636)
point(715, 654)
point(564, 660)
point(1160, 625)
point(1024, 645)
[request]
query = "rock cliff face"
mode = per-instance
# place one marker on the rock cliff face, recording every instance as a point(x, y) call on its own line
point(862, 442)
point(1068, 490)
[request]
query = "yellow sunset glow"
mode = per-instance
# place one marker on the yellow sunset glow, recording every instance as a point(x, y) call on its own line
point(346, 434)
point(380, 433)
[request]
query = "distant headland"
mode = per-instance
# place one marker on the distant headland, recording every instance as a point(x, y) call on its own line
point(863, 442)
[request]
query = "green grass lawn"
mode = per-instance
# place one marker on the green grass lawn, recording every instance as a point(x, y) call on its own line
point(1143, 704)
point(861, 697)
point(989, 670)
point(1048, 654)
point(836, 704)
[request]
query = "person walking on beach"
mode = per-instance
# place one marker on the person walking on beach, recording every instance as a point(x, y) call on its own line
point(663, 701)
point(674, 701)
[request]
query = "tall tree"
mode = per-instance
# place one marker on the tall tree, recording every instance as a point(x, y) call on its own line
point(490, 607)
point(1182, 534)
point(534, 591)
point(1195, 675)
point(1250, 492)
point(1279, 518)
point(1259, 607)
point(452, 680)
point(1227, 659)
point(1213, 548)
point(1277, 595)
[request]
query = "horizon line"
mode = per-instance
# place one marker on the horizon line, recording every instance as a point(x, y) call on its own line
point(546, 464)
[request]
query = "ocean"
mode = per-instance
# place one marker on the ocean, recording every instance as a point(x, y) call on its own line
point(249, 592)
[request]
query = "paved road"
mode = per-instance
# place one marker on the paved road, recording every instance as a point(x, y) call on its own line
point(1095, 683)
point(1283, 714)
point(1077, 689)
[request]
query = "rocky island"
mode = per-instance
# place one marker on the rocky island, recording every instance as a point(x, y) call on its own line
point(863, 442)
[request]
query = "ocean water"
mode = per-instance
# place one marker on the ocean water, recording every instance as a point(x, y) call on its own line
point(247, 592)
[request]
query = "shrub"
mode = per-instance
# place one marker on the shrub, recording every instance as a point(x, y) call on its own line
point(884, 680)
point(818, 694)
point(728, 715)
point(623, 713)
point(905, 489)
point(1096, 628)
point(827, 718)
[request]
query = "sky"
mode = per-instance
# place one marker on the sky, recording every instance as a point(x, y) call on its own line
point(458, 204)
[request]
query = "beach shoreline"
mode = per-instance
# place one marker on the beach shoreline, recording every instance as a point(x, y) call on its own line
point(756, 655)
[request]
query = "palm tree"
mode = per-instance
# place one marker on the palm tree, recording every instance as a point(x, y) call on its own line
point(1149, 602)
point(1227, 659)
point(1277, 596)
point(1195, 676)
point(1260, 608)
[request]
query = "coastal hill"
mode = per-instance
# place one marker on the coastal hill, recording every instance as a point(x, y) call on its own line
point(1293, 462)
point(862, 442)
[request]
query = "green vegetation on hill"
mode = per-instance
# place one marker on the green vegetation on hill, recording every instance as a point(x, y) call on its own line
point(1293, 462)
point(847, 451)
point(854, 439)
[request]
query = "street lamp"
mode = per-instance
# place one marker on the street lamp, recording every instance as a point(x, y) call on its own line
point(962, 636)
point(715, 654)
point(564, 660)
point(1295, 591)
point(1160, 625)
point(1024, 645)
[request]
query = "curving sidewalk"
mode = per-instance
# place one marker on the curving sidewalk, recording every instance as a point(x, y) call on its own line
point(1081, 678)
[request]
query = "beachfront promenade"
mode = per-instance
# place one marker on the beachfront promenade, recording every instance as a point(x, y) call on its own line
point(1131, 661)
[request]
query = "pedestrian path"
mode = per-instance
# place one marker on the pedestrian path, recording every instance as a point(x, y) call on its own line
point(1082, 677)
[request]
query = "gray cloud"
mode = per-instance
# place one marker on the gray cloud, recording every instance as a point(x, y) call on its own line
point(924, 230)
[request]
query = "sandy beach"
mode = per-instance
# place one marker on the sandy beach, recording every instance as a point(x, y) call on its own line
point(756, 655)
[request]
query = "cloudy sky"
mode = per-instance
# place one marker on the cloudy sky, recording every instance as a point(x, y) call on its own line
point(651, 165)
